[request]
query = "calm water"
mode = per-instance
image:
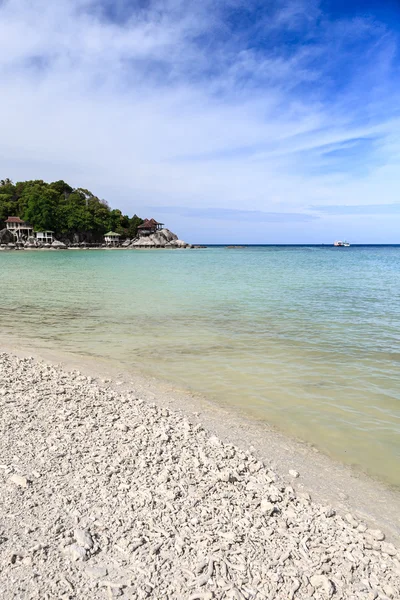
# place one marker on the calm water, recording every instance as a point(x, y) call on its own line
point(307, 338)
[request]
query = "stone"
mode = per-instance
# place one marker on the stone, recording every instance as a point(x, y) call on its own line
point(122, 426)
point(97, 572)
point(6, 237)
point(351, 520)
point(267, 506)
point(76, 552)
point(321, 581)
point(294, 473)
point(19, 480)
point(168, 510)
point(83, 539)
point(57, 244)
point(388, 549)
point(376, 534)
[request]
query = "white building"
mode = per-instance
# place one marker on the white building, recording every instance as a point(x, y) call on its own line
point(45, 237)
point(18, 228)
point(111, 238)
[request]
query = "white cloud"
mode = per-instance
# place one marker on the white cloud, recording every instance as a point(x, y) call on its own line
point(177, 107)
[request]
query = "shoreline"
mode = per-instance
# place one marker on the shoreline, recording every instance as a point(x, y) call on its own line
point(328, 481)
point(2, 249)
point(108, 494)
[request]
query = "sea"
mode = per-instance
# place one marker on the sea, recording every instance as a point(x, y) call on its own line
point(306, 338)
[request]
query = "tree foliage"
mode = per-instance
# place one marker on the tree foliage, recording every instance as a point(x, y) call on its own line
point(60, 208)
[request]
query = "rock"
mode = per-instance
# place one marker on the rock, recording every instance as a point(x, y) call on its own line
point(76, 552)
point(97, 572)
point(390, 591)
point(83, 538)
point(294, 474)
point(57, 244)
point(267, 506)
point(388, 549)
point(6, 237)
point(376, 534)
point(122, 427)
point(321, 581)
point(168, 510)
point(19, 480)
point(351, 520)
point(160, 239)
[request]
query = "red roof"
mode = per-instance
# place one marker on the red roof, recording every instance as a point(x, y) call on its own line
point(149, 224)
point(14, 220)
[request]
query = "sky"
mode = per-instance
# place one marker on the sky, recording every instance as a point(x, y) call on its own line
point(231, 121)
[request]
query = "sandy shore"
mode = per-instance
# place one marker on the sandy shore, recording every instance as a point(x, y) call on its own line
point(122, 488)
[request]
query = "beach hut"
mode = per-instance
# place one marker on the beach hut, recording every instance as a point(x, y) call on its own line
point(20, 229)
point(149, 226)
point(111, 238)
point(45, 237)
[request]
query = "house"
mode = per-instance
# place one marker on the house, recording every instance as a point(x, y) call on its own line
point(19, 228)
point(149, 226)
point(45, 237)
point(111, 238)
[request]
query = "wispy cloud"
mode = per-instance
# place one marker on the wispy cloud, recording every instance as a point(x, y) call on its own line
point(226, 214)
point(257, 107)
point(359, 209)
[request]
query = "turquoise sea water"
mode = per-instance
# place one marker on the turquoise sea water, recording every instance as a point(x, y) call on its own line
point(306, 338)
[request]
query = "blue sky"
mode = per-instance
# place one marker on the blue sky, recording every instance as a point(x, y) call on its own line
point(232, 121)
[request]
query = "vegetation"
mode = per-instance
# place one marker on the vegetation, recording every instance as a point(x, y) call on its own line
point(60, 208)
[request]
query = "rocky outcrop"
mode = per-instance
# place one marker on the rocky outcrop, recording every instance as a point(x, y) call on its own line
point(6, 237)
point(161, 239)
point(57, 244)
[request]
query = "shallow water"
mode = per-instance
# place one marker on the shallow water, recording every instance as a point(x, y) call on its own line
point(306, 338)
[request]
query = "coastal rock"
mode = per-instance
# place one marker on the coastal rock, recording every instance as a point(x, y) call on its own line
point(159, 239)
point(6, 237)
point(376, 534)
point(179, 244)
point(57, 244)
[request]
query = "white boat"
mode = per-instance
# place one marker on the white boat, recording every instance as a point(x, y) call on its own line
point(342, 244)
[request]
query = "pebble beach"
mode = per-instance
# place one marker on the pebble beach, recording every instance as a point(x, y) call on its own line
point(105, 494)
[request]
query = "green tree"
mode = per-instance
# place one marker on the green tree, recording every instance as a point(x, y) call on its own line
point(135, 221)
point(60, 208)
point(41, 208)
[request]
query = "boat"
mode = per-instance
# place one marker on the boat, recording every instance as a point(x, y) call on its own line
point(342, 244)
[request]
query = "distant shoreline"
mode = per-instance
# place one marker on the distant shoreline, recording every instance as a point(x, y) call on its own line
point(204, 246)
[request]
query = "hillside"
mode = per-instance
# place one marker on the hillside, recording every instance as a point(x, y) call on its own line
point(71, 213)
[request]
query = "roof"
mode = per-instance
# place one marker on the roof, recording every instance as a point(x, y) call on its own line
point(149, 224)
point(110, 233)
point(15, 220)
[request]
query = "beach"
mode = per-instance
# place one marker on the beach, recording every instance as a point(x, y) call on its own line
point(304, 339)
point(116, 487)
